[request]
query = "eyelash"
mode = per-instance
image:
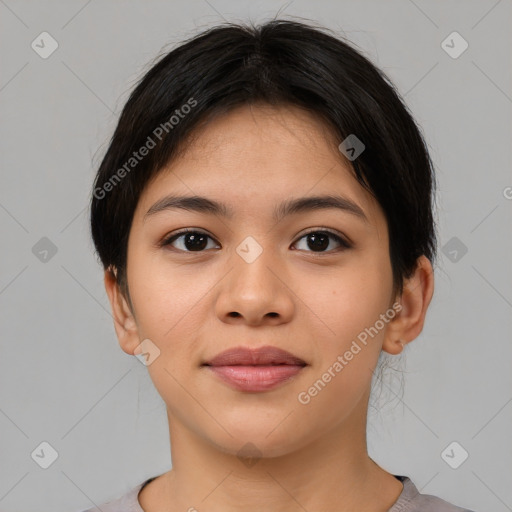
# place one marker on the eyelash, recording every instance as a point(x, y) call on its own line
point(343, 242)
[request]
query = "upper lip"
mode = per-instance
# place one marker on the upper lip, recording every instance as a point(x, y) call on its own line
point(266, 355)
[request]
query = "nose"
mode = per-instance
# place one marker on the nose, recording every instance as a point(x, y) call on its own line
point(255, 293)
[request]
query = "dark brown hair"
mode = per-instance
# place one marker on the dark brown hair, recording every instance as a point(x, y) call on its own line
point(278, 62)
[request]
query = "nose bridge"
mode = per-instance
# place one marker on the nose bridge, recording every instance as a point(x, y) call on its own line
point(254, 289)
point(254, 262)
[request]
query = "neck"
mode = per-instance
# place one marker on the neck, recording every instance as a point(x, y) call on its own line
point(332, 472)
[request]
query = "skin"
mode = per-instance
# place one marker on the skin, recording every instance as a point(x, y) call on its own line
point(312, 456)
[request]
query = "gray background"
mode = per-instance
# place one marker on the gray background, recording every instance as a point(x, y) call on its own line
point(64, 378)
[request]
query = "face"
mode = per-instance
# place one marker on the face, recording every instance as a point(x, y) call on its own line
point(312, 282)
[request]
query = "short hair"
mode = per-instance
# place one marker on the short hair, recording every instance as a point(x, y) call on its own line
point(279, 62)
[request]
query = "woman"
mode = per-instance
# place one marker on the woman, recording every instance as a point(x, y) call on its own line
point(264, 218)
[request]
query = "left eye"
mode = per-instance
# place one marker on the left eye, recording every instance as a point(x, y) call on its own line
point(197, 241)
point(319, 240)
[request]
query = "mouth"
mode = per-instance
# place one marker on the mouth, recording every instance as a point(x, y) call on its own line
point(255, 370)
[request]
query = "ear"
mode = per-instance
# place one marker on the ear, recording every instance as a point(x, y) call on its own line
point(407, 324)
point(124, 321)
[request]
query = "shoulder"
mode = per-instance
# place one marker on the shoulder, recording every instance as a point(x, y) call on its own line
point(411, 500)
point(128, 502)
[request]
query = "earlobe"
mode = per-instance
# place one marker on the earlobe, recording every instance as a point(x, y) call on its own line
point(416, 296)
point(124, 321)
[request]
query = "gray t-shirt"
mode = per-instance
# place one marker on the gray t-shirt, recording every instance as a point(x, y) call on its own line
point(410, 500)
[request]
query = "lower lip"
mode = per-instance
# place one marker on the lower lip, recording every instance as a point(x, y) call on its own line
point(256, 378)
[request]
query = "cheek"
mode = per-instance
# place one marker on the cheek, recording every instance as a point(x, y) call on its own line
point(352, 309)
point(347, 300)
point(161, 298)
point(167, 310)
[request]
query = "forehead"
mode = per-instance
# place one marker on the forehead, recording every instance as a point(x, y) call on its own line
point(257, 156)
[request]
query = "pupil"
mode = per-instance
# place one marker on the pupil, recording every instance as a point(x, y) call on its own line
point(195, 242)
point(319, 241)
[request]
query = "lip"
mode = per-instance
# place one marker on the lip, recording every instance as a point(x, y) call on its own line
point(266, 355)
point(255, 370)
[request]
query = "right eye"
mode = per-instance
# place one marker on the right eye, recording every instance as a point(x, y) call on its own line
point(191, 240)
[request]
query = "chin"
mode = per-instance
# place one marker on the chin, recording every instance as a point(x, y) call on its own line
point(250, 440)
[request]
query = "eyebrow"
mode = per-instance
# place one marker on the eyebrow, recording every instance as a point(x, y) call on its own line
point(289, 207)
